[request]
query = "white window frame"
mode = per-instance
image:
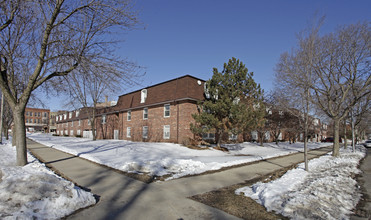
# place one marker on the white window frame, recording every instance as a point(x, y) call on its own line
point(166, 132)
point(71, 123)
point(128, 132)
point(77, 113)
point(104, 119)
point(79, 122)
point(128, 115)
point(145, 113)
point(145, 132)
point(166, 111)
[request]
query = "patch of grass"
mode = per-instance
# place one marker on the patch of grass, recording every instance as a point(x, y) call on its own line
point(239, 205)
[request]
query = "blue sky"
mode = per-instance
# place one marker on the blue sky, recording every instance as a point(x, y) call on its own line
point(193, 36)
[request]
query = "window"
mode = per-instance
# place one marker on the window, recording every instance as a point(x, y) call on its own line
point(71, 123)
point(70, 115)
point(26, 120)
point(39, 114)
point(145, 132)
point(254, 136)
point(166, 131)
point(267, 135)
point(65, 116)
point(38, 121)
point(128, 132)
point(143, 96)
point(89, 122)
point(145, 113)
point(103, 119)
point(30, 120)
point(208, 136)
point(79, 122)
point(71, 132)
point(45, 114)
point(129, 115)
point(232, 137)
point(30, 113)
point(27, 113)
point(77, 113)
point(167, 110)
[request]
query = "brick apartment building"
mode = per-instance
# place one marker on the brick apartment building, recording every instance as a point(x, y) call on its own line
point(160, 113)
point(37, 119)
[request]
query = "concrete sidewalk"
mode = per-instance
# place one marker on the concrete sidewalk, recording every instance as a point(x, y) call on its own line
point(122, 197)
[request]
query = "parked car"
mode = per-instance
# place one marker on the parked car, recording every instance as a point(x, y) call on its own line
point(331, 140)
point(367, 143)
point(328, 139)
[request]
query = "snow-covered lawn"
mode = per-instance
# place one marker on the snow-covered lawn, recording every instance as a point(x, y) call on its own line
point(160, 159)
point(327, 191)
point(35, 192)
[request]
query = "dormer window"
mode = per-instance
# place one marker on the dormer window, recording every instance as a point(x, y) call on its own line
point(143, 96)
point(77, 113)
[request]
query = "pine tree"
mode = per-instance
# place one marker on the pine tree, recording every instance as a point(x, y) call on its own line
point(230, 99)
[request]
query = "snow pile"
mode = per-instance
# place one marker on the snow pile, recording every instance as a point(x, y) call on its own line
point(327, 191)
point(35, 192)
point(159, 159)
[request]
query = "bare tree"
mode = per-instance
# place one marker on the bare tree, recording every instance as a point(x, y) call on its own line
point(41, 40)
point(294, 78)
point(338, 66)
point(89, 83)
point(359, 114)
point(341, 67)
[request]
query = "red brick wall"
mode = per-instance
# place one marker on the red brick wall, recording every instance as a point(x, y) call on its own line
point(179, 124)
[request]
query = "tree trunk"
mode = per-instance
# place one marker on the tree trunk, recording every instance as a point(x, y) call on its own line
point(14, 134)
point(353, 135)
point(219, 138)
point(20, 135)
point(335, 150)
point(6, 132)
point(345, 134)
point(93, 125)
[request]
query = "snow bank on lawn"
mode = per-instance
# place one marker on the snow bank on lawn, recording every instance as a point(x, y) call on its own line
point(158, 159)
point(327, 191)
point(35, 192)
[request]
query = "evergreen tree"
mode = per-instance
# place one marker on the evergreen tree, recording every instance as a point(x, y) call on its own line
point(231, 97)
